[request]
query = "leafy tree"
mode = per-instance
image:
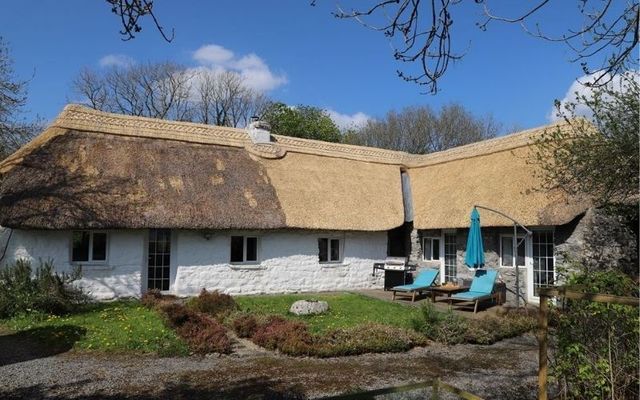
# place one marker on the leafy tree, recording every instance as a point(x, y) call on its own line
point(596, 156)
point(422, 130)
point(302, 121)
point(14, 131)
point(596, 355)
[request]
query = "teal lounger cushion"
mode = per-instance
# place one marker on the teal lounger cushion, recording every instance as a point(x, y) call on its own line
point(470, 295)
point(483, 281)
point(423, 280)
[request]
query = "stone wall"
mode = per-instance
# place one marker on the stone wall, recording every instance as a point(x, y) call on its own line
point(599, 240)
point(289, 262)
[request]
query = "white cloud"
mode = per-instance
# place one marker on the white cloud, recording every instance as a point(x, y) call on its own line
point(578, 89)
point(116, 60)
point(253, 69)
point(212, 54)
point(346, 121)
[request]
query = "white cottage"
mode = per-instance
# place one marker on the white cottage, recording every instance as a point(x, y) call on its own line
point(142, 203)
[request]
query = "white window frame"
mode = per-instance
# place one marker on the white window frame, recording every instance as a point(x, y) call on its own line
point(431, 239)
point(530, 286)
point(244, 250)
point(90, 260)
point(525, 244)
point(340, 248)
point(443, 258)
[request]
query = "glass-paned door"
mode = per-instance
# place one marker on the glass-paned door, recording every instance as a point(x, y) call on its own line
point(543, 261)
point(450, 257)
point(159, 259)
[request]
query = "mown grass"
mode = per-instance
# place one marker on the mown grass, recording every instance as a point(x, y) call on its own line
point(120, 326)
point(345, 310)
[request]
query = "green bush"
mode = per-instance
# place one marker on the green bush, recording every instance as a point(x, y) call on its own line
point(449, 328)
point(213, 303)
point(597, 343)
point(366, 338)
point(43, 290)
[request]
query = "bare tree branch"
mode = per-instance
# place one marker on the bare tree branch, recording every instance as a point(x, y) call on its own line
point(130, 12)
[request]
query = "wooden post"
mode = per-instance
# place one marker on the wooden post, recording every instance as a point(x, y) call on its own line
point(542, 346)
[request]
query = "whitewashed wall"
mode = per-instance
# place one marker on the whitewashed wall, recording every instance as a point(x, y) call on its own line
point(119, 277)
point(289, 262)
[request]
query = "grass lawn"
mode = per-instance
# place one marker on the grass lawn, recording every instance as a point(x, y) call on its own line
point(120, 326)
point(345, 310)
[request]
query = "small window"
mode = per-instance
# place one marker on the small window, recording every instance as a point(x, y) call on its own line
point(506, 251)
point(89, 246)
point(329, 250)
point(431, 249)
point(244, 249)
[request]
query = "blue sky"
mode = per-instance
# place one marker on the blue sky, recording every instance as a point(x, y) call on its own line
point(299, 54)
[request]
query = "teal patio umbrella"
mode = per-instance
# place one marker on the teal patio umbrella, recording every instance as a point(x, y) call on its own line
point(475, 251)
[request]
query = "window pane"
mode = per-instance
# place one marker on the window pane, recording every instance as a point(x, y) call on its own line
point(435, 249)
point(427, 249)
point(521, 248)
point(99, 246)
point(236, 248)
point(507, 251)
point(323, 250)
point(80, 245)
point(335, 250)
point(252, 249)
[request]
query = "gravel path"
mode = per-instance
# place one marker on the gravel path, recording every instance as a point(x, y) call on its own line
point(506, 370)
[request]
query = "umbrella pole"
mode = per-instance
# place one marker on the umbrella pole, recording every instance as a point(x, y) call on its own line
point(515, 263)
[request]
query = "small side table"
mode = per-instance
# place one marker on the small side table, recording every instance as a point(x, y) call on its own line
point(448, 290)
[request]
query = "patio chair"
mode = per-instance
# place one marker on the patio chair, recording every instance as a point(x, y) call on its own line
point(481, 288)
point(423, 281)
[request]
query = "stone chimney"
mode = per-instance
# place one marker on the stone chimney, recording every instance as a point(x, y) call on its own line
point(259, 131)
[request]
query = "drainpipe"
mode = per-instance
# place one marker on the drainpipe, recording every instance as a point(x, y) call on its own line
point(515, 246)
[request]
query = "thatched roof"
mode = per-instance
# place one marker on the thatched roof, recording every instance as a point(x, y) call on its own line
point(93, 169)
point(101, 170)
point(496, 173)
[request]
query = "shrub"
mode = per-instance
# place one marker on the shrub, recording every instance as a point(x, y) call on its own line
point(597, 343)
point(24, 290)
point(277, 332)
point(202, 333)
point(367, 338)
point(151, 298)
point(293, 338)
point(205, 335)
point(245, 325)
point(449, 328)
point(491, 329)
point(213, 303)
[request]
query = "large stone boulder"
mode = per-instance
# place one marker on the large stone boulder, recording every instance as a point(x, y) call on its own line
point(307, 307)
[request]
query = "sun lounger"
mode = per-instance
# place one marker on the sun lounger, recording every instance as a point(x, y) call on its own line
point(481, 288)
point(423, 281)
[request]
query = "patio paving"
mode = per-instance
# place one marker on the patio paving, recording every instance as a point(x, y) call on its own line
point(441, 304)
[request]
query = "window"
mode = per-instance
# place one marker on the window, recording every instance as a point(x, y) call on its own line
point(329, 250)
point(430, 249)
point(89, 246)
point(450, 257)
point(159, 259)
point(244, 249)
point(543, 260)
point(506, 251)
